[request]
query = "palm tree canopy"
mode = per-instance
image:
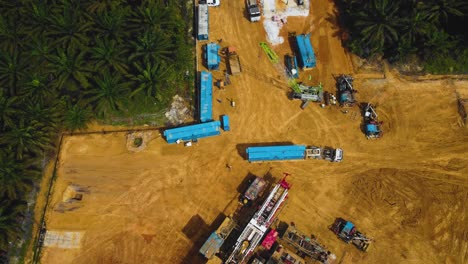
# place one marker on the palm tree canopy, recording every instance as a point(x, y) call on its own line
point(378, 23)
point(9, 110)
point(27, 138)
point(440, 10)
point(110, 93)
point(15, 178)
point(109, 53)
point(151, 77)
point(76, 118)
point(69, 66)
point(69, 27)
point(11, 212)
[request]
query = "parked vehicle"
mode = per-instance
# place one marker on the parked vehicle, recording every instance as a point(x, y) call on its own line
point(253, 10)
point(346, 231)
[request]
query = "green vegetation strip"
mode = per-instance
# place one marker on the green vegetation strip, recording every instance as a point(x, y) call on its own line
point(430, 34)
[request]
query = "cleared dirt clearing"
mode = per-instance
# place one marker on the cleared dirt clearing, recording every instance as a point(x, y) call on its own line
point(407, 191)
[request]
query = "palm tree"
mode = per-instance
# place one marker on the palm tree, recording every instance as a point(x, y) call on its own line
point(112, 23)
point(47, 115)
point(440, 10)
point(8, 33)
point(69, 28)
point(76, 118)
point(40, 48)
point(152, 44)
point(378, 23)
point(69, 69)
point(11, 212)
point(110, 94)
point(416, 27)
point(151, 78)
point(153, 15)
point(26, 138)
point(109, 53)
point(102, 5)
point(16, 178)
point(11, 70)
point(8, 110)
point(37, 14)
point(37, 89)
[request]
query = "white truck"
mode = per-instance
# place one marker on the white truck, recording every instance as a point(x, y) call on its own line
point(326, 153)
point(253, 10)
point(210, 2)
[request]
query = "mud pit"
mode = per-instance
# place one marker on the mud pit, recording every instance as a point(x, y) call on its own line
point(407, 191)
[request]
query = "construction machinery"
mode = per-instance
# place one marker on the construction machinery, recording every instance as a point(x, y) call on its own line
point(293, 68)
point(255, 189)
point(308, 93)
point(347, 232)
point(258, 225)
point(293, 152)
point(308, 246)
point(345, 90)
point(253, 10)
point(233, 60)
point(217, 238)
point(271, 54)
point(371, 123)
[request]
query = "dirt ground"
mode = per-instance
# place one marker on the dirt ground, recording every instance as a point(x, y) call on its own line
point(407, 191)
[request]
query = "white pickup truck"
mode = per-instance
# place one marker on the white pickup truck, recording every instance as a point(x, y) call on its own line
point(210, 2)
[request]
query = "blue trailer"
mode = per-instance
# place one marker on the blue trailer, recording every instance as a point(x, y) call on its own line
point(272, 153)
point(192, 132)
point(306, 52)
point(293, 152)
point(206, 97)
point(225, 122)
point(211, 55)
point(202, 32)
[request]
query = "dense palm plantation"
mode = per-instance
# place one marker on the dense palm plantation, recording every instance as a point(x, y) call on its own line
point(66, 62)
point(431, 30)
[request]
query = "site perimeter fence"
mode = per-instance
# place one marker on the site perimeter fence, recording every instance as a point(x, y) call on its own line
point(37, 241)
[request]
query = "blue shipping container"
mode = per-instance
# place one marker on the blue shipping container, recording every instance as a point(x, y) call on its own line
point(206, 97)
point(271, 153)
point(212, 57)
point(306, 52)
point(225, 122)
point(193, 132)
